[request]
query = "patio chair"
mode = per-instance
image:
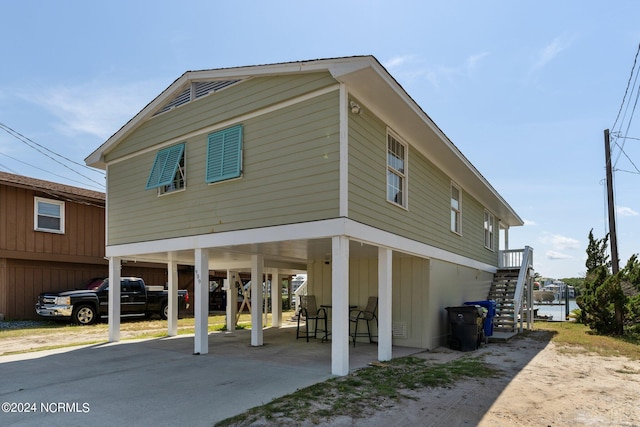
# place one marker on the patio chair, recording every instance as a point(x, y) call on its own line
point(309, 311)
point(366, 315)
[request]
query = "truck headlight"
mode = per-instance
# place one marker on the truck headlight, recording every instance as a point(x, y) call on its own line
point(63, 301)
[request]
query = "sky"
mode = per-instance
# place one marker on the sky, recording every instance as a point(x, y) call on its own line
point(524, 89)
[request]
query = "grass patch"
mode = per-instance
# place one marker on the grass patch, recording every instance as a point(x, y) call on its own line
point(364, 391)
point(576, 337)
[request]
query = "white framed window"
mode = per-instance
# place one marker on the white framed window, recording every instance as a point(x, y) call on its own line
point(48, 215)
point(168, 173)
point(396, 171)
point(489, 224)
point(456, 209)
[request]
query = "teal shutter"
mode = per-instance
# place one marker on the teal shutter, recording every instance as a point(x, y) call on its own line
point(224, 154)
point(165, 166)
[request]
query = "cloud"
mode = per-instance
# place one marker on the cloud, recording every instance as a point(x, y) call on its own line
point(94, 108)
point(624, 211)
point(553, 255)
point(410, 67)
point(529, 222)
point(551, 51)
point(559, 242)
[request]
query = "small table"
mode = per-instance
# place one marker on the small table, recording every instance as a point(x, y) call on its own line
point(329, 307)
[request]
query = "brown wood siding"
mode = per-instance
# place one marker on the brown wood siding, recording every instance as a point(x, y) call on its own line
point(21, 281)
point(83, 240)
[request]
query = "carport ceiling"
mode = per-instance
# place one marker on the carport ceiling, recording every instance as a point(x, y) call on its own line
point(288, 255)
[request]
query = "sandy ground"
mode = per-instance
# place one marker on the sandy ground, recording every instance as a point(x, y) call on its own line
point(540, 384)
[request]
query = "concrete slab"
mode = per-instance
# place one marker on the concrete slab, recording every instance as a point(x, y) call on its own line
point(160, 382)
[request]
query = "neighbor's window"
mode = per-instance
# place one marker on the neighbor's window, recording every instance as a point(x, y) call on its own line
point(224, 154)
point(489, 220)
point(456, 209)
point(168, 171)
point(396, 171)
point(49, 215)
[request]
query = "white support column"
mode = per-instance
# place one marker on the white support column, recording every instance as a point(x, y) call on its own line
point(114, 299)
point(232, 300)
point(385, 335)
point(201, 301)
point(172, 317)
point(276, 299)
point(257, 265)
point(340, 303)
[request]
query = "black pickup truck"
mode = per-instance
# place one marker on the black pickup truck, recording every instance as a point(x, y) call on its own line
point(86, 306)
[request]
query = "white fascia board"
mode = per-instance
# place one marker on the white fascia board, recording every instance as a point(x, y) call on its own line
point(302, 231)
point(376, 237)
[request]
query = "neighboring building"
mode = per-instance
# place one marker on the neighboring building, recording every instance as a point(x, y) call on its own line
point(52, 237)
point(324, 167)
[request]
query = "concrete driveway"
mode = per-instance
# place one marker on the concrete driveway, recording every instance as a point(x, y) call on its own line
point(160, 382)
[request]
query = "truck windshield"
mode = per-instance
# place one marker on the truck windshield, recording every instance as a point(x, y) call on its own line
point(94, 284)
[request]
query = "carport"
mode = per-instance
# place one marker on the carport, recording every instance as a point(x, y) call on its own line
point(274, 251)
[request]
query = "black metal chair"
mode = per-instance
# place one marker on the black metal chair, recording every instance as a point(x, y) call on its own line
point(309, 311)
point(367, 315)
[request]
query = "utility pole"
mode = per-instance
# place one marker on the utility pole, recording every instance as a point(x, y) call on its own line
point(615, 264)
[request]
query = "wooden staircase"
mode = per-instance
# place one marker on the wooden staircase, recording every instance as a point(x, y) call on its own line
point(503, 291)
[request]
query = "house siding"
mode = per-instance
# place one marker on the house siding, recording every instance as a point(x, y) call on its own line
point(242, 98)
point(32, 261)
point(290, 175)
point(427, 215)
point(82, 241)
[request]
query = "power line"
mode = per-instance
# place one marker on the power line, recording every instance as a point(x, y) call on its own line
point(635, 60)
point(44, 170)
point(34, 145)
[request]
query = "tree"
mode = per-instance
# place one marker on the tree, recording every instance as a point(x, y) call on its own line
point(603, 302)
point(597, 253)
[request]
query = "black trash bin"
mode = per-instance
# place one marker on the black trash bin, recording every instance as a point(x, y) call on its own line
point(466, 332)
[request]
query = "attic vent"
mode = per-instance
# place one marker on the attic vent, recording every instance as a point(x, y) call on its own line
point(195, 91)
point(205, 88)
point(399, 330)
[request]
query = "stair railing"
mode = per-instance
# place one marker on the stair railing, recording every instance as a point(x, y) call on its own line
point(523, 276)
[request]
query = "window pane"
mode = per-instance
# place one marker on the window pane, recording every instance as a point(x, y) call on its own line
point(48, 209)
point(49, 223)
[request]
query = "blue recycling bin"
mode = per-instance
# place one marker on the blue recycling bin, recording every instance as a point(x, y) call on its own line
point(490, 305)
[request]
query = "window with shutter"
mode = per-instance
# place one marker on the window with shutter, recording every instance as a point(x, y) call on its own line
point(168, 171)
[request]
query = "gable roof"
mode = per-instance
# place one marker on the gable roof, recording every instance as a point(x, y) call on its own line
point(66, 192)
point(368, 81)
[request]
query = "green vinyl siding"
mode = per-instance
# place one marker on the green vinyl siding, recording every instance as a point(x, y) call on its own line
point(242, 98)
point(427, 216)
point(290, 175)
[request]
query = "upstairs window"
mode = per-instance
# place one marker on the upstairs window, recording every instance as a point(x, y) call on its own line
point(224, 154)
point(49, 215)
point(168, 171)
point(489, 221)
point(456, 209)
point(396, 171)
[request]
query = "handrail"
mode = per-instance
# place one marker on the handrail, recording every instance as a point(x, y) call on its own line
point(525, 264)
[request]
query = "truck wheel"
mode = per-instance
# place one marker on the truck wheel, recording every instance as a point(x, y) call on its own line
point(164, 312)
point(84, 315)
